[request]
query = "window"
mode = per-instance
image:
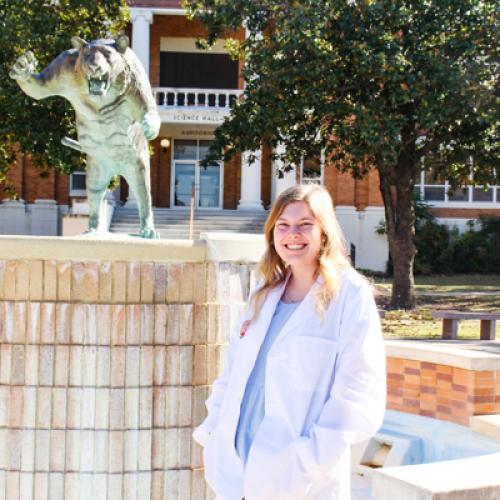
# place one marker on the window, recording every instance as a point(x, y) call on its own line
point(198, 70)
point(311, 170)
point(78, 183)
point(435, 189)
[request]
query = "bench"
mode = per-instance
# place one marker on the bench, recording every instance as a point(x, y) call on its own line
point(451, 319)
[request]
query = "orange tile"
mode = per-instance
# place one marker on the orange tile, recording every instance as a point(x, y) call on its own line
point(429, 398)
point(427, 405)
point(428, 390)
point(458, 405)
point(462, 376)
point(484, 408)
point(484, 379)
point(410, 363)
point(483, 391)
point(412, 371)
point(443, 401)
point(428, 374)
point(459, 396)
point(395, 365)
point(428, 413)
point(444, 369)
point(412, 380)
point(428, 366)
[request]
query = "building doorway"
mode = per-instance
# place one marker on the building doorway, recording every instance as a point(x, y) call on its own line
point(190, 178)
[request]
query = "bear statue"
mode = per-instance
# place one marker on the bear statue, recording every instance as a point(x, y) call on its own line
point(115, 111)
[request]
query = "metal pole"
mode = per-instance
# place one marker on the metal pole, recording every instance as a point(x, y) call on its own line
point(191, 214)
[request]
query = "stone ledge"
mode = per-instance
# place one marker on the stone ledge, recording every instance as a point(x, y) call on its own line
point(437, 353)
point(468, 478)
point(214, 247)
point(489, 425)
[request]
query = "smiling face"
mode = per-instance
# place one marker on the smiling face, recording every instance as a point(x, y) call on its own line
point(297, 236)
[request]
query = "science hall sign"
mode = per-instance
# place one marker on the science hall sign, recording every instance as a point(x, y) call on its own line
point(197, 115)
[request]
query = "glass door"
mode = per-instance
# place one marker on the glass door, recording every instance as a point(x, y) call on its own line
point(189, 174)
point(185, 174)
point(209, 192)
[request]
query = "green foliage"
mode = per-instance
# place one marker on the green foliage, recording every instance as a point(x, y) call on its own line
point(477, 250)
point(444, 251)
point(384, 81)
point(372, 83)
point(45, 27)
point(432, 241)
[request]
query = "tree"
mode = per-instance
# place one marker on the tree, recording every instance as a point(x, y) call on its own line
point(45, 27)
point(375, 84)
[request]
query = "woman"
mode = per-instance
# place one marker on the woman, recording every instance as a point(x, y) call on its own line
point(305, 376)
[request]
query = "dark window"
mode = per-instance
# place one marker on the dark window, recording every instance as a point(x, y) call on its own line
point(78, 181)
point(203, 71)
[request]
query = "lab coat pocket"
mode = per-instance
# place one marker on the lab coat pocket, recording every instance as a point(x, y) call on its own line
point(313, 362)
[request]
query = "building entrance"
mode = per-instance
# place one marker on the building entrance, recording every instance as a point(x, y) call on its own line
point(190, 178)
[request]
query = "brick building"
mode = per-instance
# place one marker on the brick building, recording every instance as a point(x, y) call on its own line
point(194, 90)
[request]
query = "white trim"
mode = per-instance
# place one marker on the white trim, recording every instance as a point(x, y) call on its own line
point(136, 13)
point(188, 45)
point(162, 11)
point(463, 204)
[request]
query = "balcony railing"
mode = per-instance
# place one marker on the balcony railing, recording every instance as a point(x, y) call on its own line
point(442, 194)
point(168, 97)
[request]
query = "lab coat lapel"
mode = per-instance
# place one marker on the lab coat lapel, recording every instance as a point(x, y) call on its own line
point(304, 313)
point(258, 328)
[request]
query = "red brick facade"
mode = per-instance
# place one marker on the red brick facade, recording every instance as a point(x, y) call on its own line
point(29, 186)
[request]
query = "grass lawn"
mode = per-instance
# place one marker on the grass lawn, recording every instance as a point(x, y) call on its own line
point(419, 322)
point(454, 283)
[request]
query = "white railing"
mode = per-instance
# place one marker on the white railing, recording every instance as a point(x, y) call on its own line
point(169, 97)
point(466, 196)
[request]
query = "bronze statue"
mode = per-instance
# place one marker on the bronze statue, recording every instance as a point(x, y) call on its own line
point(116, 115)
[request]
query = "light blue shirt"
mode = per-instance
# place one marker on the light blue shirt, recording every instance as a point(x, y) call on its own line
point(252, 405)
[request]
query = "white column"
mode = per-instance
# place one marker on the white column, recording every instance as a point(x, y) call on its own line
point(289, 179)
point(141, 20)
point(250, 182)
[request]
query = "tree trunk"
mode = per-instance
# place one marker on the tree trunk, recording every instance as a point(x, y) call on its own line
point(396, 184)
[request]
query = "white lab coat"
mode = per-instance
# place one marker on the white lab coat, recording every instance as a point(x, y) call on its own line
point(325, 390)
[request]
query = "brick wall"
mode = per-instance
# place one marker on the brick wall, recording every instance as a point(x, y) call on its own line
point(441, 391)
point(232, 182)
point(266, 176)
point(104, 370)
point(465, 213)
point(29, 186)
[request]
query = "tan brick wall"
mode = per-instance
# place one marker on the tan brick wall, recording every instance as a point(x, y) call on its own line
point(104, 370)
point(440, 391)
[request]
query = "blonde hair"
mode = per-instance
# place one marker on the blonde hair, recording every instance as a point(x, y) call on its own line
point(332, 257)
